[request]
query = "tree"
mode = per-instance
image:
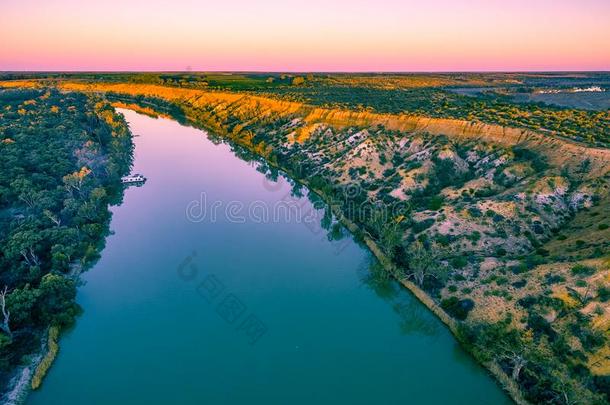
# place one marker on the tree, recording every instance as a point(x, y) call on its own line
point(54, 218)
point(423, 263)
point(516, 349)
point(25, 190)
point(56, 302)
point(75, 181)
point(584, 168)
point(22, 302)
point(297, 81)
point(25, 243)
point(6, 314)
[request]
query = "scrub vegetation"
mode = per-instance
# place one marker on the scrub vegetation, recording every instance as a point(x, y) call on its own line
point(495, 212)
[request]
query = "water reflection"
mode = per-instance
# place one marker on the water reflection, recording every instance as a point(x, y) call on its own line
point(413, 316)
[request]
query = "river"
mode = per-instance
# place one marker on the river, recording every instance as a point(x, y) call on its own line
point(199, 298)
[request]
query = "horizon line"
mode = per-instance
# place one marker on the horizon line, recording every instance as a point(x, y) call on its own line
point(312, 71)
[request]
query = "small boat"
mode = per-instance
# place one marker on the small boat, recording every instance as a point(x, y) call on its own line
point(134, 178)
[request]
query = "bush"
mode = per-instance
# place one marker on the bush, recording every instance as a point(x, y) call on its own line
point(423, 225)
point(459, 262)
point(443, 240)
point(474, 236)
point(435, 203)
point(474, 212)
point(540, 326)
point(603, 293)
point(500, 252)
point(580, 243)
point(550, 279)
point(581, 270)
point(457, 308)
point(46, 362)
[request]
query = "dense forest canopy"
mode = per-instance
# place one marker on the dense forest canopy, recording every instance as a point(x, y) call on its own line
point(62, 156)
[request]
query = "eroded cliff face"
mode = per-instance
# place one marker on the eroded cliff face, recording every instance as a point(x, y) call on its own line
point(250, 109)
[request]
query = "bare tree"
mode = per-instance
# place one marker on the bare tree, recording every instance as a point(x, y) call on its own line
point(6, 314)
point(517, 360)
point(54, 218)
point(30, 257)
point(582, 298)
point(423, 263)
point(28, 198)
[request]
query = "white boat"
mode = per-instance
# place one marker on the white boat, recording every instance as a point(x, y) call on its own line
point(134, 178)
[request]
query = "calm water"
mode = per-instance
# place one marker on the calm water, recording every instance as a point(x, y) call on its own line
point(173, 307)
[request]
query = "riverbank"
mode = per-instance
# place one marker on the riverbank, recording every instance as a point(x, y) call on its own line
point(494, 369)
point(503, 379)
point(329, 325)
point(267, 153)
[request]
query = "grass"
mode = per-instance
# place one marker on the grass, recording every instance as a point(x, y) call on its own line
point(47, 361)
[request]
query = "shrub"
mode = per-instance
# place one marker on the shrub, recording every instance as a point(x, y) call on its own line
point(527, 302)
point(501, 252)
point(444, 240)
point(501, 280)
point(457, 308)
point(46, 362)
point(603, 293)
point(474, 236)
point(423, 225)
point(459, 262)
point(435, 203)
point(540, 326)
point(590, 339)
point(582, 270)
point(474, 212)
point(550, 279)
point(389, 172)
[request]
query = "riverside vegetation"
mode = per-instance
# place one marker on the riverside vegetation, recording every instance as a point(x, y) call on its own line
point(498, 211)
point(62, 157)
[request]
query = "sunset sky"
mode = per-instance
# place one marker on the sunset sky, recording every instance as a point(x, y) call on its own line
point(313, 35)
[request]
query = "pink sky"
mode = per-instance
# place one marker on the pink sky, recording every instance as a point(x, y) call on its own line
point(314, 35)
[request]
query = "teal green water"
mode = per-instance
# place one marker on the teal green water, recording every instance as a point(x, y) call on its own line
point(264, 312)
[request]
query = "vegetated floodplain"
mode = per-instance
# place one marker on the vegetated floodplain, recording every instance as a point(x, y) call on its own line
point(498, 216)
point(63, 155)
